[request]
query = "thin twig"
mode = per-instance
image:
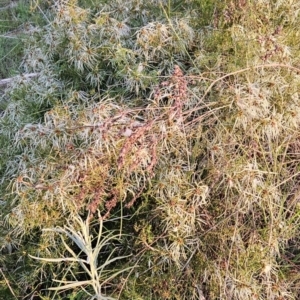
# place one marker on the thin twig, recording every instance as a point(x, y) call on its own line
point(275, 65)
point(7, 282)
point(6, 81)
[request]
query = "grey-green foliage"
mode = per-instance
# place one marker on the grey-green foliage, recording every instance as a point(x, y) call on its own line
point(181, 118)
point(81, 233)
point(17, 18)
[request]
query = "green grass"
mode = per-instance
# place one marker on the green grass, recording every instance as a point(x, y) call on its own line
point(165, 134)
point(16, 20)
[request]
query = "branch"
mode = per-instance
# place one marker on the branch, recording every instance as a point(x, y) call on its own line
point(11, 5)
point(6, 81)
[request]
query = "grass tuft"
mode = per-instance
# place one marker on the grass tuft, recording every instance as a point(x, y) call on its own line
point(156, 153)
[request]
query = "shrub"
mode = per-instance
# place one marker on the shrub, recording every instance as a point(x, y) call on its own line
point(182, 133)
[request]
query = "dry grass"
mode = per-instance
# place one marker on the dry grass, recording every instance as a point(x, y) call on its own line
point(183, 134)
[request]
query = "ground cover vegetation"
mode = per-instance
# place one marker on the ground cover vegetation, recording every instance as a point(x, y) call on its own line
point(155, 155)
point(17, 18)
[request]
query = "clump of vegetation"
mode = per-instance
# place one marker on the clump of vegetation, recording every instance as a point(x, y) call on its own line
point(155, 155)
point(16, 22)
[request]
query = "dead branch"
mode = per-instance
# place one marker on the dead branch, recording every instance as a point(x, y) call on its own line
point(6, 81)
point(8, 6)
